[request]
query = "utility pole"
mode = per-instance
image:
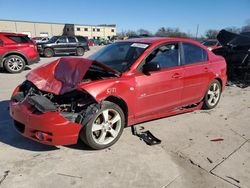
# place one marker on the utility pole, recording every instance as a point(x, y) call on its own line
point(197, 31)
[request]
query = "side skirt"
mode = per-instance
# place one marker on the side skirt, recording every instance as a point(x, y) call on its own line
point(167, 114)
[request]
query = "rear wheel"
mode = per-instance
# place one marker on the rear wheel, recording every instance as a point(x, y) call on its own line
point(79, 51)
point(212, 96)
point(105, 128)
point(14, 64)
point(48, 52)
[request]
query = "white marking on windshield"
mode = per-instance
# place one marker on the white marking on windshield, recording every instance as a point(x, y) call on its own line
point(139, 45)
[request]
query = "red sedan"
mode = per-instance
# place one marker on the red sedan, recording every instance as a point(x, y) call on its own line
point(123, 84)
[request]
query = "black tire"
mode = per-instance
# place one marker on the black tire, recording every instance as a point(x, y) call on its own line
point(88, 136)
point(14, 64)
point(80, 51)
point(48, 52)
point(209, 105)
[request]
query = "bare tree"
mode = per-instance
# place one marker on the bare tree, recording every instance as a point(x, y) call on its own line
point(144, 32)
point(171, 32)
point(246, 28)
point(211, 33)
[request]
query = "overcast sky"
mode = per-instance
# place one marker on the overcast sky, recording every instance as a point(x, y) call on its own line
point(133, 14)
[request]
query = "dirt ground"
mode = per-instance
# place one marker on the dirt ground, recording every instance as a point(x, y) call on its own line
point(186, 158)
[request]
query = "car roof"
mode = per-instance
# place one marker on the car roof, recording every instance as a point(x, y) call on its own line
point(153, 40)
point(15, 34)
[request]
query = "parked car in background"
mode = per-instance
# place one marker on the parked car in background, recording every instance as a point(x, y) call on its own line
point(124, 83)
point(40, 39)
point(236, 51)
point(99, 42)
point(63, 45)
point(91, 42)
point(211, 44)
point(17, 51)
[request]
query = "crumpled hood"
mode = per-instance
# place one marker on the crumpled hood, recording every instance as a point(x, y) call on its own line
point(62, 75)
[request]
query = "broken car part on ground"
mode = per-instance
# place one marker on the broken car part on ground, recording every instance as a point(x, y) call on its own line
point(123, 84)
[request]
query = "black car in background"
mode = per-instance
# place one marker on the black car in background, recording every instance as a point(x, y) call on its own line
point(63, 45)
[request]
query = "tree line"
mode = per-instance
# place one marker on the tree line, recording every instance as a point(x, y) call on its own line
point(176, 32)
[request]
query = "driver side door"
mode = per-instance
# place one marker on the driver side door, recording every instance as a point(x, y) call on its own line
point(159, 91)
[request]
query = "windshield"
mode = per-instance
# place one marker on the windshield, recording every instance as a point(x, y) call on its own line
point(53, 39)
point(121, 55)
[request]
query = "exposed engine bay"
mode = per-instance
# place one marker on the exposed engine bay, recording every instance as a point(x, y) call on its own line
point(72, 105)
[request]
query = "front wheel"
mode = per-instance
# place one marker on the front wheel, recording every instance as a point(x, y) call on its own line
point(212, 96)
point(105, 128)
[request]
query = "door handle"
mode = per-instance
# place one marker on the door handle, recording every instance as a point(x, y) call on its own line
point(206, 69)
point(176, 75)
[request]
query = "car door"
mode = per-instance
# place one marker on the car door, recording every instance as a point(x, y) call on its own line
point(61, 45)
point(196, 73)
point(72, 44)
point(159, 91)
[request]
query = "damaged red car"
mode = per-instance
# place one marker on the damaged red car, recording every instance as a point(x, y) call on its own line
point(124, 83)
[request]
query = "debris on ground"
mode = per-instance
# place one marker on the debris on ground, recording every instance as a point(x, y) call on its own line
point(216, 139)
point(146, 136)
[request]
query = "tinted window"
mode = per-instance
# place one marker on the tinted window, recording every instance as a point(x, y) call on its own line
point(81, 39)
point(62, 40)
point(121, 55)
point(1, 42)
point(167, 56)
point(193, 53)
point(71, 39)
point(19, 39)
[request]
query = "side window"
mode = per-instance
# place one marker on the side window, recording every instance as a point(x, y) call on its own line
point(62, 40)
point(72, 39)
point(19, 39)
point(81, 39)
point(167, 55)
point(194, 54)
point(1, 42)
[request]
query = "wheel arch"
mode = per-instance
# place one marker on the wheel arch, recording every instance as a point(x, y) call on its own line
point(121, 103)
point(14, 53)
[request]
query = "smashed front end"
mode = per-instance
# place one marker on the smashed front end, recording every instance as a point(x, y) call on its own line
point(236, 51)
point(49, 118)
point(49, 107)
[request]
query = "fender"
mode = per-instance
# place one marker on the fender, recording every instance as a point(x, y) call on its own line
point(117, 87)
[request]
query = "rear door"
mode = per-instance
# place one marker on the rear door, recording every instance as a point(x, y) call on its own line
point(61, 45)
point(196, 73)
point(161, 90)
point(72, 44)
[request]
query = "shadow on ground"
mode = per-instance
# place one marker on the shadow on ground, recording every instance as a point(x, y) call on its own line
point(9, 136)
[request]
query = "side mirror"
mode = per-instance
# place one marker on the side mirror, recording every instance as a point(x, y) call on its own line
point(152, 66)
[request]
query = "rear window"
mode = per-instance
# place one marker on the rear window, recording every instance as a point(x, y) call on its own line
point(19, 39)
point(81, 39)
point(193, 53)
